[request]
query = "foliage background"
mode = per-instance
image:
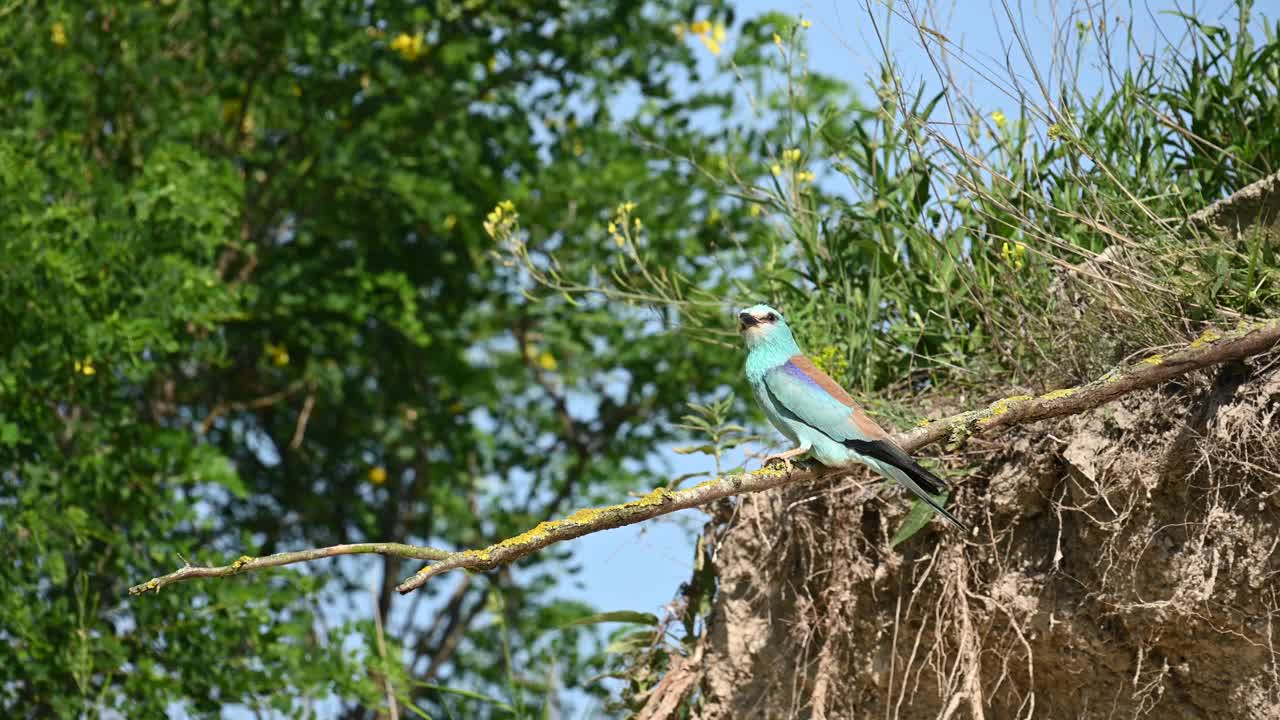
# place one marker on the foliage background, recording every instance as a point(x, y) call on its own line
point(249, 306)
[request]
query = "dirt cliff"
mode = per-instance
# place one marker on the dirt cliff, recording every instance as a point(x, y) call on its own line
point(1126, 566)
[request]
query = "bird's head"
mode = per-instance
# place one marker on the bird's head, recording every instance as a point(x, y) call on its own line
point(762, 325)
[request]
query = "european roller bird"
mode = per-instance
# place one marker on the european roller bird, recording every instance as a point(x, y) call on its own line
point(816, 414)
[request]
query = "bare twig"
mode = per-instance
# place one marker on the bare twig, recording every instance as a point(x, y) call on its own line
point(257, 403)
point(300, 428)
point(247, 564)
point(1211, 348)
point(393, 709)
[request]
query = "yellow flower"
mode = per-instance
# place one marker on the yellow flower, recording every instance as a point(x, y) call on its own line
point(501, 220)
point(832, 361)
point(777, 39)
point(58, 34)
point(711, 35)
point(1014, 253)
point(806, 24)
point(547, 361)
point(613, 228)
point(377, 475)
point(410, 47)
point(998, 118)
point(804, 176)
point(85, 367)
point(619, 240)
point(638, 225)
point(776, 169)
point(792, 156)
point(1056, 131)
point(279, 354)
point(755, 210)
point(713, 39)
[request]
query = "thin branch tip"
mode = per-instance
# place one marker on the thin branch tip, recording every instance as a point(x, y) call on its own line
point(246, 563)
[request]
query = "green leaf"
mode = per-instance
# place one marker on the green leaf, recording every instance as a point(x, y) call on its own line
point(8, 434)
point(626, 616)
point(631, 641)
point(471, 694)
point(919, 516)
point(56, 567)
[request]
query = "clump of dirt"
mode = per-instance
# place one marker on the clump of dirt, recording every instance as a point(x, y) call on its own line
point(1124, 565)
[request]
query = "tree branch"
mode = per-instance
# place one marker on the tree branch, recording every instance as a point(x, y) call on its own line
point(1211, 348)
point(247, 564)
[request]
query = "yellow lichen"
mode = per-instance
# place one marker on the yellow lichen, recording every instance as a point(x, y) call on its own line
point(924, 423)
point(768, 471)
point(585, 515)
point(996, 409)
point(1153, 360)
point(240, 563)
point(1001, 406)
point(480, 556)
point(657, 497)
point(1055, 394)
point(529, 536)
point(1209, 336)
point(1246, 326)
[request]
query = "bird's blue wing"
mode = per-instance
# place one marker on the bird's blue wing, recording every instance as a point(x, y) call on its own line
point(798, 393)
point(803, 393)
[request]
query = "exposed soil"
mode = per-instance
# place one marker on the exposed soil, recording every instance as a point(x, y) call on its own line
point(1125, 566)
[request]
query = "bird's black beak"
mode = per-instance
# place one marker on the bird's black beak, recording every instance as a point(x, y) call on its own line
point(746, 320)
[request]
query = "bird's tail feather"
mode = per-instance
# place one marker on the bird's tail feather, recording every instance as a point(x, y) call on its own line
point(904, 479)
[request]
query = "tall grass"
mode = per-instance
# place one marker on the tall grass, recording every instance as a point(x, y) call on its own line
point(942, 246)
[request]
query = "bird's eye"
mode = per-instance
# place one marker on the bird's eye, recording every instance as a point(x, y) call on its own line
point(771, 317)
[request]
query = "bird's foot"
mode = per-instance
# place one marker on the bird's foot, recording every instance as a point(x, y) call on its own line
point(775, 461)
point(783, 459)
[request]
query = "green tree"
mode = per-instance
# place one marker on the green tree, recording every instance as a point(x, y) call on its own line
point(249, 306)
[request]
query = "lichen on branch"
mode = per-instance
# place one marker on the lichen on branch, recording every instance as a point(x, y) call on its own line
point(1213, 347)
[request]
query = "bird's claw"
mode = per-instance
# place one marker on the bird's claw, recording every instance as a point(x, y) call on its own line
point(777, 461)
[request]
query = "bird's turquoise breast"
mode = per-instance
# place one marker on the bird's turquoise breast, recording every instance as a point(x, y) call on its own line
point(771, 411)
